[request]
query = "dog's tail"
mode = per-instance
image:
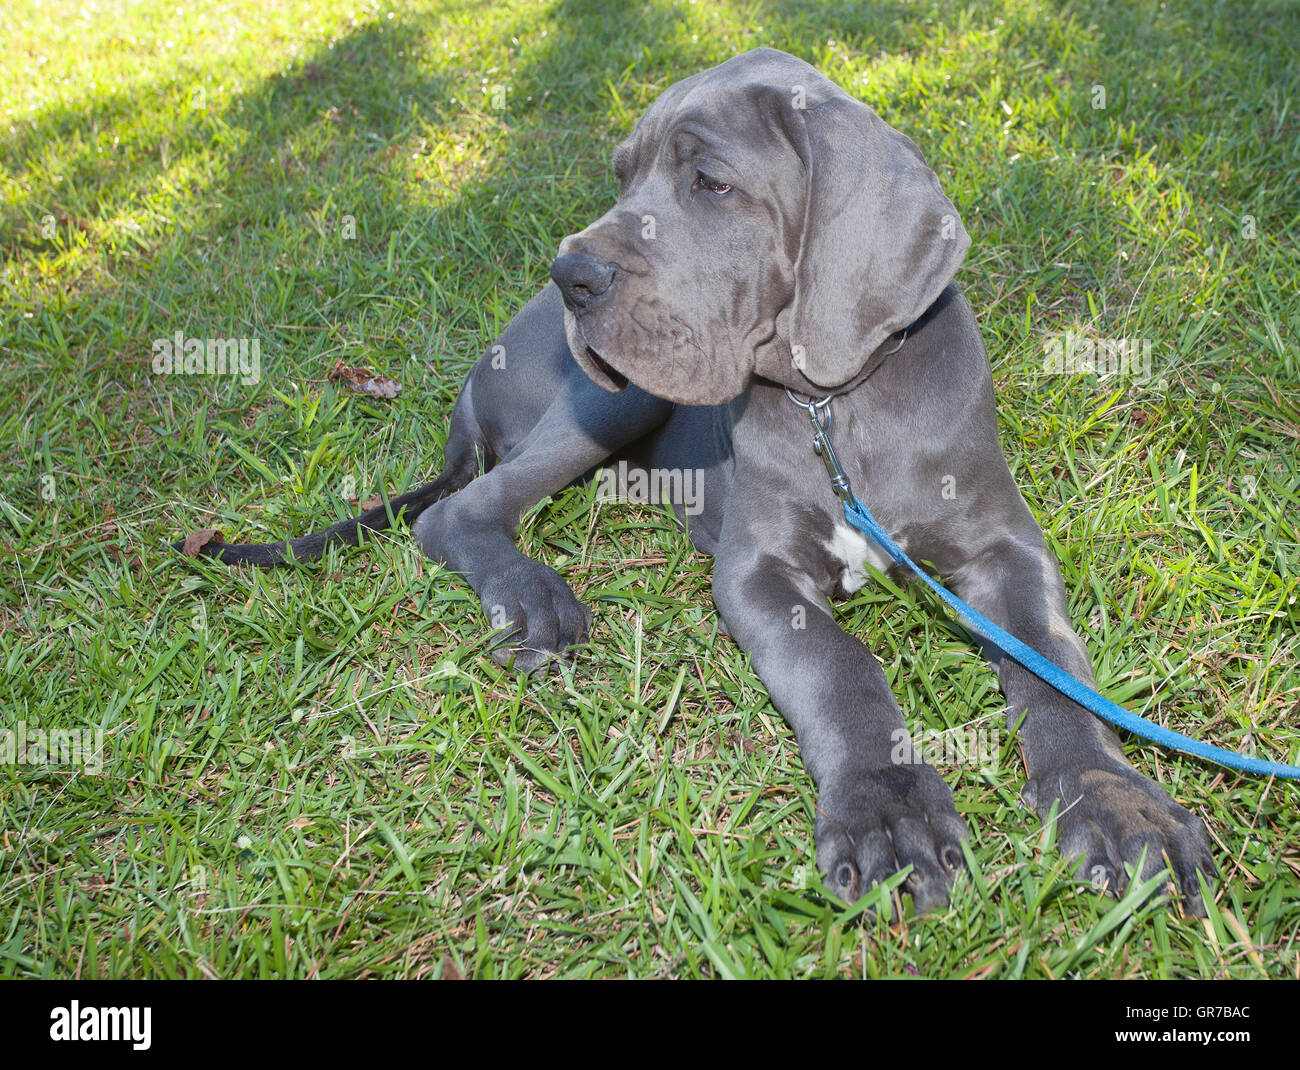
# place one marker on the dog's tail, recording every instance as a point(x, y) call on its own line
point(467, 454)
point(344, 533)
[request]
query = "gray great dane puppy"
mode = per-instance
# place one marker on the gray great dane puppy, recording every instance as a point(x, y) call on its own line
point(774, 232)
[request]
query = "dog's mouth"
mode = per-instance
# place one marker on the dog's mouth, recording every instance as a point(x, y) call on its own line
point(598, 369)
point(616, 378)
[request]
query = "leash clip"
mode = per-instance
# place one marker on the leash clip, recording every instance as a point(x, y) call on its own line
point(822, 444)
point(821, 431)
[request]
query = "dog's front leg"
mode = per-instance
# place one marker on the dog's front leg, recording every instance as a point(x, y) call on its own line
point(1108, 812)
point(473, 532)
point(879, 808)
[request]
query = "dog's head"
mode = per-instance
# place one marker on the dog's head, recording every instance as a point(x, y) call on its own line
point(768, 224)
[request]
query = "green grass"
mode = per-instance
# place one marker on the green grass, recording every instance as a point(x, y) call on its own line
point(320, 773)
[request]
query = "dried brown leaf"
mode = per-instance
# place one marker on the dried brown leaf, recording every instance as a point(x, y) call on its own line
point(364, 382)
point(196, 540)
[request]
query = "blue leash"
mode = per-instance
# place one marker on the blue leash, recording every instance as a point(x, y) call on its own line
point(860, 517)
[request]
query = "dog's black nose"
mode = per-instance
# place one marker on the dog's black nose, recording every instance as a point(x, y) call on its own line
point(581, 278)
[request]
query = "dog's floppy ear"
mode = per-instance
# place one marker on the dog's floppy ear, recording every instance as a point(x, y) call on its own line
point(880, 240)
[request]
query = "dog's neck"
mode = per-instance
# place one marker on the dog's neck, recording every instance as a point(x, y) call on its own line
point(896, 343)
point(797, 382)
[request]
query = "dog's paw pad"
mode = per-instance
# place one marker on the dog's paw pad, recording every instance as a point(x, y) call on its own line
point(536, 617)
point(877, 823)
point(1110, 819)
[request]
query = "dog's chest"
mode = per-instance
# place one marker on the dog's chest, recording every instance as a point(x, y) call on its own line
point(854, 551)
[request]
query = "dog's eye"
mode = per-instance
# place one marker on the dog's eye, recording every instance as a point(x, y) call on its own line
point(703, 181)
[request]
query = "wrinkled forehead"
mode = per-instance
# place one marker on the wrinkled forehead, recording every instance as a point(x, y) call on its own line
point(736, 113)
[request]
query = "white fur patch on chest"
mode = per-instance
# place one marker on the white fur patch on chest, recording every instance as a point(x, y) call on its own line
point(855, 550)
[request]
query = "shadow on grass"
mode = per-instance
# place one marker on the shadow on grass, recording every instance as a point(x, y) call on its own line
point(263, 187)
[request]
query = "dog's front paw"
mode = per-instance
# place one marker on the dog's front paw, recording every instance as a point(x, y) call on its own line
point(1105, 817)
point(535, 614)
point(873, 823)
